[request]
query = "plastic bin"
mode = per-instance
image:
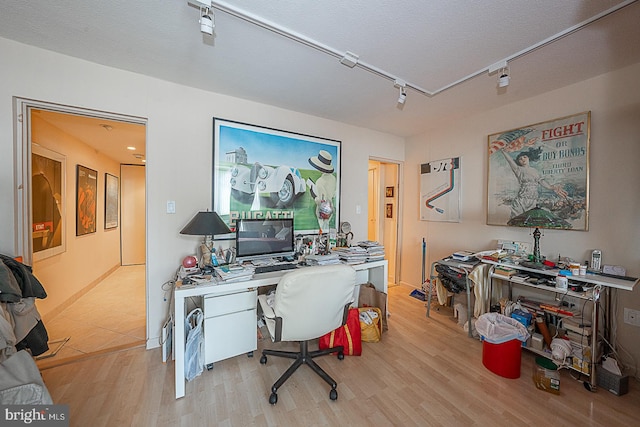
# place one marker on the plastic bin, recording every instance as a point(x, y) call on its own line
point(502, 339)
point(546, 376)
point(502, 359)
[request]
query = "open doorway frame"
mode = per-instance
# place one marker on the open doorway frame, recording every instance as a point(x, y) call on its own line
point(23, 109)
point(385, 210)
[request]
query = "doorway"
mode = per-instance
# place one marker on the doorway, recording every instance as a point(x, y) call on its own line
point(384, 209)
point(85, 140)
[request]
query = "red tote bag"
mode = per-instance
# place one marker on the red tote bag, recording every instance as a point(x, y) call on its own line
point(348, 336)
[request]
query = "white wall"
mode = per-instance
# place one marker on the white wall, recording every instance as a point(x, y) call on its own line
point(179, 147)
point(614, 225)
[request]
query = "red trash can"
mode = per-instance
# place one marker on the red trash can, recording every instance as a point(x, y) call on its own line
point(502, 359)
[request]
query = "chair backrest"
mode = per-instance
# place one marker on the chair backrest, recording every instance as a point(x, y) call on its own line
point(311, 300)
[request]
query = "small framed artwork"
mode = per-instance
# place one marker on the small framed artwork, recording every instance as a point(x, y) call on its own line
point(110, 201)
point(86, 189)
point(389, 191)
point(389, 210)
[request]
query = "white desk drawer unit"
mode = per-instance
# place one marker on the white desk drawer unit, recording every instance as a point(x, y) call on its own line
point(229, 325)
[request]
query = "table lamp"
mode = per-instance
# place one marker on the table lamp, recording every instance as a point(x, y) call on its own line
point(206, 224)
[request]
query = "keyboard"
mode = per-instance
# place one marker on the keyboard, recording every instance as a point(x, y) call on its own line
point(275, 267)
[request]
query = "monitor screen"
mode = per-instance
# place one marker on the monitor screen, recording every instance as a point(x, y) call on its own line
point(264, 238)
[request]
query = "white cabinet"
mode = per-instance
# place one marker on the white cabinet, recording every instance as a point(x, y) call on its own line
point(229, 325)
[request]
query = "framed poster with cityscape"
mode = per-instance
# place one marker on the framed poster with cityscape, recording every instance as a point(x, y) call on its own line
point(539, 175)
point(260, 172)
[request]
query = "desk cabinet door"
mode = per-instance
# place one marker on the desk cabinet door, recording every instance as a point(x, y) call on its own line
point(229, 325)
point(229, 335)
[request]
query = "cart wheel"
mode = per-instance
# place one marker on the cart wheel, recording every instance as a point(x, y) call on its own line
point(209, 366)
point(250, 354)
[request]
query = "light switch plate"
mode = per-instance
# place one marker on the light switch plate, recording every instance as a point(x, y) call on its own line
point(171, 206)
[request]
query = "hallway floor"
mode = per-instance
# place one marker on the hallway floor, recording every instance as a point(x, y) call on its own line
point(109, 316)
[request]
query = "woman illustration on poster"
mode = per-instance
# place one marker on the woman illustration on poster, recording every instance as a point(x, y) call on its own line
point(529, 179)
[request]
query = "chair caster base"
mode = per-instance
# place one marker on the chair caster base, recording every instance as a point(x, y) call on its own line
point(333, 394)
point(273, 399)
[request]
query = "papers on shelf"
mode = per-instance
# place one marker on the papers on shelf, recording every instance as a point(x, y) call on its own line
point(234, 273)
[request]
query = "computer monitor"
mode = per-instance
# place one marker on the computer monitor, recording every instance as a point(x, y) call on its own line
point(264, 238)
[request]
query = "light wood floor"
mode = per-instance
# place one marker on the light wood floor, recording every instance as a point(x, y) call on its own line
point(110, 316)
point(425, 372)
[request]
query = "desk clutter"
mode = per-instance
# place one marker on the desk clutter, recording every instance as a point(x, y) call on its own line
point(558, 302)
point(190, 274)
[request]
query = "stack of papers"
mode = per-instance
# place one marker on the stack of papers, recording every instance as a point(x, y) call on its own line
point(462, 255)
point(375, 250)
point(352, 255)
point(230, 274)
point(332, 258)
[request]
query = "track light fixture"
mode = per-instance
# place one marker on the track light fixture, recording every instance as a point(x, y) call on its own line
point(503, 77)
point(403, 95)
point(402, 87)
point(207, 23)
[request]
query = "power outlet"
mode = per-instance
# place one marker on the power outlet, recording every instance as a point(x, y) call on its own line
point(631, 317)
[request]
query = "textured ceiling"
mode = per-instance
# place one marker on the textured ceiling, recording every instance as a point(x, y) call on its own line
point(430, 44)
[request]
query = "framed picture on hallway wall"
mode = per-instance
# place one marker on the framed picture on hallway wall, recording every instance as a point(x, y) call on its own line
point(86, 194)
point(48, 195)
point(539, 175)
point(260, 172)
point(111, 192)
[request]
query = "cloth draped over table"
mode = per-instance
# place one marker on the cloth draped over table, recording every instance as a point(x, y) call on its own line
point(479, 277)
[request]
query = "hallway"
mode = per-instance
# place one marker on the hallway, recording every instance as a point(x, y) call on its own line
point(110, 316)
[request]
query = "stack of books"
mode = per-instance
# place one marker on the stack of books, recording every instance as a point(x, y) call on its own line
point(236, 273)
point(375, 251)
point(352, 255)
point(505, 271)
point(329, 259)
point(463, 256)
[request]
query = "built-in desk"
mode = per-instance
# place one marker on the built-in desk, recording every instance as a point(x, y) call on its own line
point(236, 343)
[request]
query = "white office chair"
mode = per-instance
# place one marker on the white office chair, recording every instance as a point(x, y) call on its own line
point(309, 303)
